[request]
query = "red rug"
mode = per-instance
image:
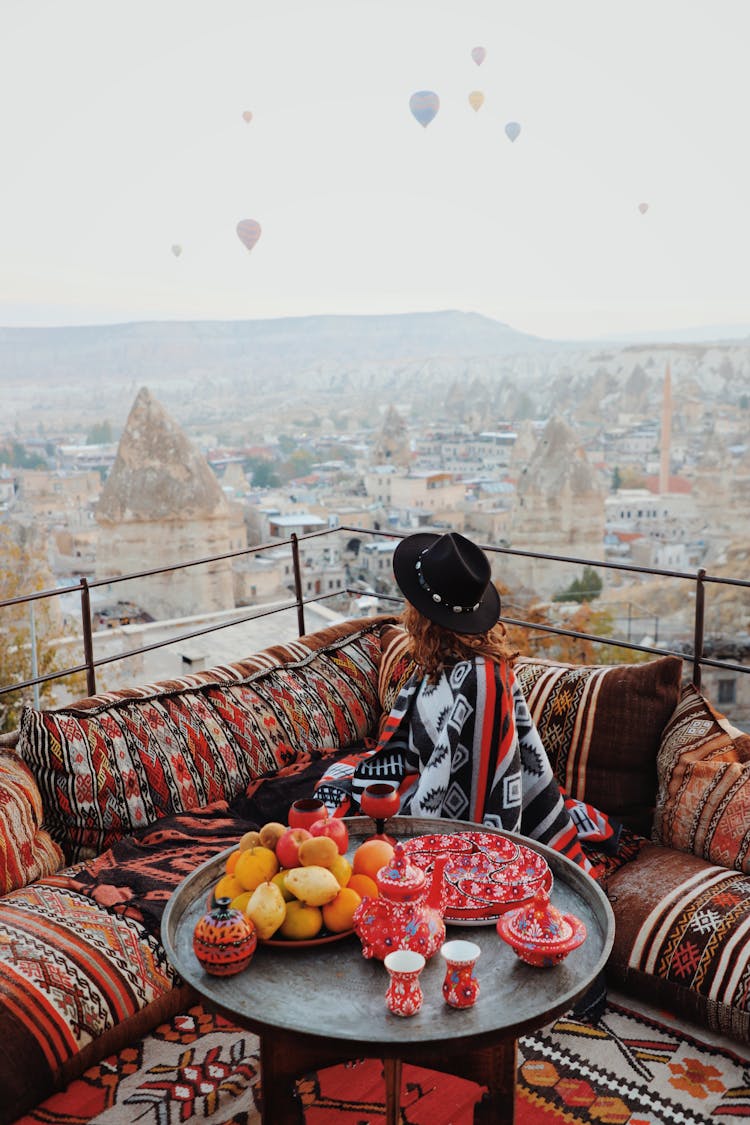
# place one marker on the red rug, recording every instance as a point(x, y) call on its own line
point(630, 1069)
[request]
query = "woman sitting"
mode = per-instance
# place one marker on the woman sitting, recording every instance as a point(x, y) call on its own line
point(460, 741)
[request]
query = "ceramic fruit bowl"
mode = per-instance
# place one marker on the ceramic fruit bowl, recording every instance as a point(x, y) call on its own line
point(539, 934)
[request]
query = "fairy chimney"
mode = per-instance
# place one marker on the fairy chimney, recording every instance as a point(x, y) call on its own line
point(162, 504)
point(559, 510)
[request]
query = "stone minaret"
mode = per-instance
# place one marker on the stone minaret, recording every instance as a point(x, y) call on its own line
point(162, 504)
point(666, 433)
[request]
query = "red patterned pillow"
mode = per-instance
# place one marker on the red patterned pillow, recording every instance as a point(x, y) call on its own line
point(115, 763)
point(703, 803)
point(601, 725)
point(396, 667)
point(27, 852)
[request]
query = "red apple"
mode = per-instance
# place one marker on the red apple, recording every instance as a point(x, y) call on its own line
point(287, 846)
point(335, 828)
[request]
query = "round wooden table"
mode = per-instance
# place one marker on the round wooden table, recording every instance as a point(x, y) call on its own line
point(317, 1006)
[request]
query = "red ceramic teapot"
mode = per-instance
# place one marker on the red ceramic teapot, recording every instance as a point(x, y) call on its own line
point(408, 914)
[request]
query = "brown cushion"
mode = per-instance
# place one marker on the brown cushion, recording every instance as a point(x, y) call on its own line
point(112, 764)
point(682, 937)
point(27, 851)
point(703, 802)
point(601, 726)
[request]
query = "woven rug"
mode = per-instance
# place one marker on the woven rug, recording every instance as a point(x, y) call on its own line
point(632, 1068)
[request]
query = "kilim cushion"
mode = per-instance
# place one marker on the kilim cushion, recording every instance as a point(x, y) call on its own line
point(682, 937)
point(70, 972)
point(396, 666)
point(703, 802)
point(602, 725)
point(27, 852)
point(82, 971)
point(115, 763)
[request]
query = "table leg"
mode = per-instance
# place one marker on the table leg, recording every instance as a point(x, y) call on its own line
point(284, 1057)
point(493, 1067)
point(392, 1074)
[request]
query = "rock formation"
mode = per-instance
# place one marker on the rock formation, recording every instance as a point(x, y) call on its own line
point(162, 504)
point(559, 510)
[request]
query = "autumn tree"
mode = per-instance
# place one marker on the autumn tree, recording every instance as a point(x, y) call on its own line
point(21, 573)
point(531, 640)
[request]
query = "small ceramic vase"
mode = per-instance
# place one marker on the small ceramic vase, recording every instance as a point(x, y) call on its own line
point(305, 812)
point(404, 996)
point(460, 987)
point(224, 940)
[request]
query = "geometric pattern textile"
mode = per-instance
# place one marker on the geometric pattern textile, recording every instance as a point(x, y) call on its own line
point(601, 726)
point(136, 877)
point(628, 1067)
point(682, 937)
point(115, 763)
point(703, 803)
point(27, 852)
point(69, 972)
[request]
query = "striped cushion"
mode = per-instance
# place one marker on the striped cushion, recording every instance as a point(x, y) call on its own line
point(70, 972)
point(118, 762)
point(396, 667)
point(703, 803)
point(27, 852)
point(682, 937)
point(601, 725)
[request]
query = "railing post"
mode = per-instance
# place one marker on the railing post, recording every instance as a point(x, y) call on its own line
point(298, 585)
point(700, 606)
point(88, 638)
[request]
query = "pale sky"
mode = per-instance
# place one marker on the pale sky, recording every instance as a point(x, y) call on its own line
point(122, 135)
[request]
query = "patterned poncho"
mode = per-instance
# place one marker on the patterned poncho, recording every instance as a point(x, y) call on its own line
point(464, 747)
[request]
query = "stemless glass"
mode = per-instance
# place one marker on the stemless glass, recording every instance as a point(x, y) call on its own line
point(306, 811)
point(380, 800)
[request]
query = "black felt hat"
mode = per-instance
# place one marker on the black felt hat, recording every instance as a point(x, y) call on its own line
point(448, 579)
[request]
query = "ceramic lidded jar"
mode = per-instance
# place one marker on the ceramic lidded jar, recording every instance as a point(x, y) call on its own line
point(224, 940)
point(539, 933)
point(408, 914)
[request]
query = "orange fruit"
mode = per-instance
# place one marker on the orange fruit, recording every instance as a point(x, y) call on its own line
point(364, 886)
point(227, 887)
point(232, 861)
point(338, 914)
point(371, 856)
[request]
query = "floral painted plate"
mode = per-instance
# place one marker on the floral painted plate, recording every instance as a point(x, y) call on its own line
point(485, 876)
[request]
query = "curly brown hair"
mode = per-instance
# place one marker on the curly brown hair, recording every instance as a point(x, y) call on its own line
point(433, 646)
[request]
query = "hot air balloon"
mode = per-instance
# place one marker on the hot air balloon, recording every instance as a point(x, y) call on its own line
point(476, 100)
point(512, 129)
point(424, 105)
point(247, 116)
point(176, 250)
point(248, 232)
point(643, 208)
point(478, 54)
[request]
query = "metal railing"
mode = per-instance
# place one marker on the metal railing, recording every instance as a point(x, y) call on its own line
point(699, 579)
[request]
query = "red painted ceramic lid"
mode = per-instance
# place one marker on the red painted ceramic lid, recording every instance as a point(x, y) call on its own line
point(399, 879)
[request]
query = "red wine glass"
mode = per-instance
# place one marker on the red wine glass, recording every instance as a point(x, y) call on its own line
point(380, 800)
